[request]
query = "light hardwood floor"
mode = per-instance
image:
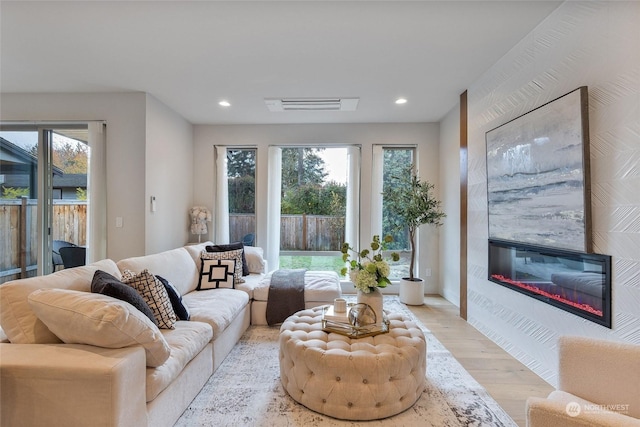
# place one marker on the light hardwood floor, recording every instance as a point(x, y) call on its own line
point(508, 381)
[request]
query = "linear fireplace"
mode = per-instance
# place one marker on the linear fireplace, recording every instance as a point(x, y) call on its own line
point(576, 282)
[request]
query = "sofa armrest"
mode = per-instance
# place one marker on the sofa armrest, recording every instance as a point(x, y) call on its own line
point(72, 385)
point(543, 412)
point(603, 372)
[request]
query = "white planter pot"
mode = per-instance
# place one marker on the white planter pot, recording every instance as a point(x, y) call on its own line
point(412, 292)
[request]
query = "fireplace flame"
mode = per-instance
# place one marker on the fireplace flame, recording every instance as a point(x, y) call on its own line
point(537, 290)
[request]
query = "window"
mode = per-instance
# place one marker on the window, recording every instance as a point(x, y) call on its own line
point(241, 182)
point(313, 207)
point(394, 160)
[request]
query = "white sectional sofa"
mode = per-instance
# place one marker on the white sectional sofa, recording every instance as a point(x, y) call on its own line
point(45, 382)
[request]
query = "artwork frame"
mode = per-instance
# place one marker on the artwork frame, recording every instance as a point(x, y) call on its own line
point(538, 176)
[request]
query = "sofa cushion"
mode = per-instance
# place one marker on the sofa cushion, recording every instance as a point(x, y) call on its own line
point(155, 295)
point(254, 256)
point(87, 318)
point(319, 286)
point(251, 282)
point(186, 340)
point(105, 284)
point(195, 249)
point(20, 323)
point(217, 307)
point(176, 299)
point(230, 247)
point(217, 273)
point(175, 265)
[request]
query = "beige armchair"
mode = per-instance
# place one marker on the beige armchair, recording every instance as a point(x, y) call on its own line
point(599, 385)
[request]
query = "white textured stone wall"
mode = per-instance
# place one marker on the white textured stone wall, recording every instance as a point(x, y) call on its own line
point(596, 44)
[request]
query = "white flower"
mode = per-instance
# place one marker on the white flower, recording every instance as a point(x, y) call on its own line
point(366, 280)
point(383, 268)
point(369, 270)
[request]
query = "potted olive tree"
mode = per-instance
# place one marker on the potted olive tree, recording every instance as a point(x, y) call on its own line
point(411, 203)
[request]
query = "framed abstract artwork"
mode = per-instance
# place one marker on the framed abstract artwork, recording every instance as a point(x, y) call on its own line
point(538, 176)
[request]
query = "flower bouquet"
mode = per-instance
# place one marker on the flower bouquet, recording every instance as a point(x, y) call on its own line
point(368, 269)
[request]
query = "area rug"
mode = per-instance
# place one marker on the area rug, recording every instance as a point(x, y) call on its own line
point(246, 390)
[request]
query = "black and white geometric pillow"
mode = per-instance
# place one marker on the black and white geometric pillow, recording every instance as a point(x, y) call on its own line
point(233, 254)
point(154, 294)
point(217, 273)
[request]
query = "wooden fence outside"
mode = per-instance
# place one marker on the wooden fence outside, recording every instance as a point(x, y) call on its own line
point(240, 225)
point(297, 232)
point(19, 237)
point(311, 233)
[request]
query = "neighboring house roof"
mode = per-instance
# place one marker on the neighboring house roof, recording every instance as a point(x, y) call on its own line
point(16, 160)
point(69, 180)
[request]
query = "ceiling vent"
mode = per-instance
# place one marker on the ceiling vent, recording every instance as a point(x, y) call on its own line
point(311, 104)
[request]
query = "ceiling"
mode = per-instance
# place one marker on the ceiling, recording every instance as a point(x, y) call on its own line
point(192, 54)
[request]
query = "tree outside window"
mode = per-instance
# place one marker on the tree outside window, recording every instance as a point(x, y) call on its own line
point(241, 177)
point(396, 161)
point(313, 208)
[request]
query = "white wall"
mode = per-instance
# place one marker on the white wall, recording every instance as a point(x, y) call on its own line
point(423, 135)
point(129, 172)
point(169, 177)
point(581, 43)
point(450, 190)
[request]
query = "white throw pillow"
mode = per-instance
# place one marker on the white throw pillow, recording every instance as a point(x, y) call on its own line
point(88, 318)
point(255, 259)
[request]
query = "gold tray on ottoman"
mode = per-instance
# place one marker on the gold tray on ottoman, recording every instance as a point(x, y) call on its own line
point(347, 329)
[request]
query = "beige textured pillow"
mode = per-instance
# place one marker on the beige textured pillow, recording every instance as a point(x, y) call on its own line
point(87, 318)
point(20, 323)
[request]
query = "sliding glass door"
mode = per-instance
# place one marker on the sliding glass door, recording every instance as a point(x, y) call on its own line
point(44, 199)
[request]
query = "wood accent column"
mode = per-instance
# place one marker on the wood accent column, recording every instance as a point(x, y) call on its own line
point(464, 169)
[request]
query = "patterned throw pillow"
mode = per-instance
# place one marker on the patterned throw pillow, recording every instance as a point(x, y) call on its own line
point(153, 292)
point(105, 284)
point(235, 255)
point(217, 273)
point(178, 305)
point(231, 247)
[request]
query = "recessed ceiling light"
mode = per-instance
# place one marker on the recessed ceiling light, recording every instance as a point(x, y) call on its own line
point(225, 103)
point(401, 101)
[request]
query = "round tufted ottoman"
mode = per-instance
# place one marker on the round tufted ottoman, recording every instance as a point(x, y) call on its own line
point(353, 379)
